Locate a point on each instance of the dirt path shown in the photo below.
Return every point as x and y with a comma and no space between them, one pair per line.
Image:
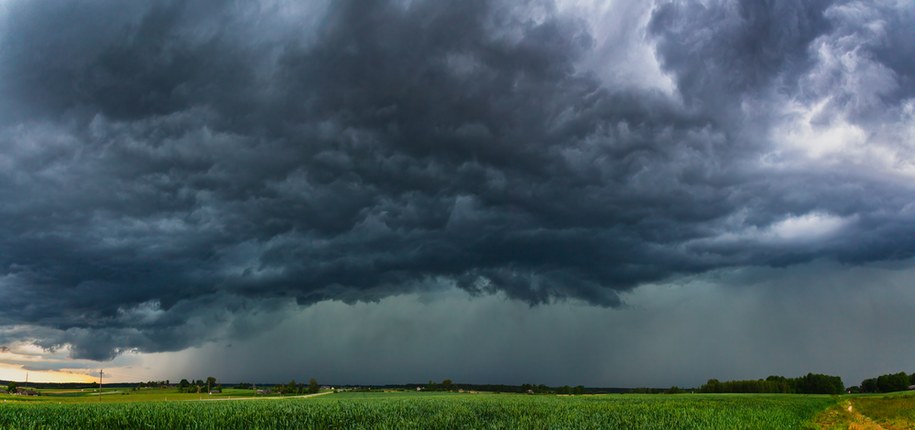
845,416
221,399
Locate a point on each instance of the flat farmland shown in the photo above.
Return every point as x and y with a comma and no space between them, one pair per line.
410,410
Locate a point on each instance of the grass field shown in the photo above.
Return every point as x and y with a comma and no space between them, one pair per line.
890,411
121,395
410,410
871,412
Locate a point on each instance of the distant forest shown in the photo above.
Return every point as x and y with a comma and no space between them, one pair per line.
886,383
812,383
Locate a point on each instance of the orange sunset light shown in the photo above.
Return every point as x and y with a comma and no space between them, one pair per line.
16,373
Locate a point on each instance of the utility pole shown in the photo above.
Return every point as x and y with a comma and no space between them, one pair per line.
101,375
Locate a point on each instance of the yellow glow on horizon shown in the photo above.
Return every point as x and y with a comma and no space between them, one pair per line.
16,373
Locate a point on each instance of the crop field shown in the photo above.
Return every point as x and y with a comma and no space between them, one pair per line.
871,412
122,395
890,411
431,410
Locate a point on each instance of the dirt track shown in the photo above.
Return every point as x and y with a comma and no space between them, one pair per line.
217,399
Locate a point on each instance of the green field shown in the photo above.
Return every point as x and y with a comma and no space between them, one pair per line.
121,395
892,411
871,412
410,410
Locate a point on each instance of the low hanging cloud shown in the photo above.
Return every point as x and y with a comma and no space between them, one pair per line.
167,168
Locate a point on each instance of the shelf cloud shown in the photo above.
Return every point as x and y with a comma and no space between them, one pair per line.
171,170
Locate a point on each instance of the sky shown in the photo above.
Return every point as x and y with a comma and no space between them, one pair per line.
615,193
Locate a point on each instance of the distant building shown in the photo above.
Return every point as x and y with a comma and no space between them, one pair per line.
25,392
263,391
216,390
912,387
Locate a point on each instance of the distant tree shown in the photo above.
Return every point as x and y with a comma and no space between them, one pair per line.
579,390
893,382
11,387
779,384
313,386
290,387
887,383
712,386
446,385
211,382
674,390
883,384
815,383
809,384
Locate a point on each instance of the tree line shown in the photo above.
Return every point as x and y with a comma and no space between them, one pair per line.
449,385
811,383
153,384
210,385
886,383
291,387
199,386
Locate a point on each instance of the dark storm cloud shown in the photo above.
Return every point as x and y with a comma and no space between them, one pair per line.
721,51
168,167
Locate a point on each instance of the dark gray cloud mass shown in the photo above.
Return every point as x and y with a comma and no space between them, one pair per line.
167,166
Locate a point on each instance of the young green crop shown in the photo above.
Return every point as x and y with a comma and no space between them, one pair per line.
420,411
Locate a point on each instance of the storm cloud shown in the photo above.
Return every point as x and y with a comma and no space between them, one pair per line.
168,169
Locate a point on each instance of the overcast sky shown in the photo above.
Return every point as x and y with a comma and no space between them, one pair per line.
623,193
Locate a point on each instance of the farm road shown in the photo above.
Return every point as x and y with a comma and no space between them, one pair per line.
260,398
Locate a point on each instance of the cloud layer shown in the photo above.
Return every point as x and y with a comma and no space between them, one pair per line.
168,170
